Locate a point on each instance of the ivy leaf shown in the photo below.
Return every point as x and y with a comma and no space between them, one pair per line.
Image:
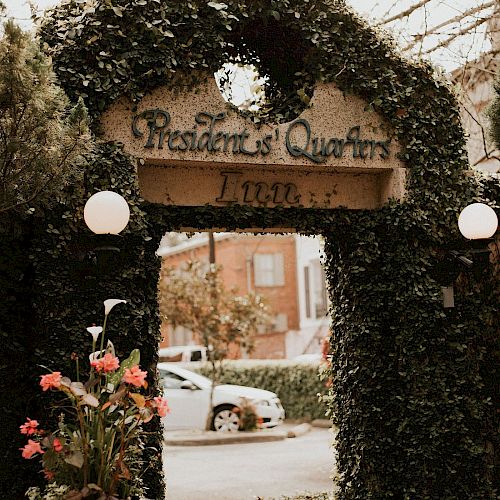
303,96
118,11
217,6
169,34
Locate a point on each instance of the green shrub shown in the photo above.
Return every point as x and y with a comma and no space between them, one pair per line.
296,384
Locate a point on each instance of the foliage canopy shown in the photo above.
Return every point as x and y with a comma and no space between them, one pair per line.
43,137
195,297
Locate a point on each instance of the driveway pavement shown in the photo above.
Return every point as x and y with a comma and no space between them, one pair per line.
250,470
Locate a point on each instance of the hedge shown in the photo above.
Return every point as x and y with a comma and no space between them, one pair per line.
296,384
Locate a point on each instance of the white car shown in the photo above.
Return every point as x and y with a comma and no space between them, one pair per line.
188,396
183,353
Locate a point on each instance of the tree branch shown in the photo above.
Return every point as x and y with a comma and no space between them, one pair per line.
460,17
463,31
405,13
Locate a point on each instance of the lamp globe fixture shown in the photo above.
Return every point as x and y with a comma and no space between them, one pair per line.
477,221
106,212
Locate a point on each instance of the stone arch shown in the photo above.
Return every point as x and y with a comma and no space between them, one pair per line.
393,369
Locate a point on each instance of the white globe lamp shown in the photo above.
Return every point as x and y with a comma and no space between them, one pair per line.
106,212
477,221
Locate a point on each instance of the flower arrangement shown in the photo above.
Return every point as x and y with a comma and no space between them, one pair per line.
95,452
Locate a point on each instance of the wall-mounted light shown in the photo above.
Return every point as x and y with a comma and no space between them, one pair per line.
106,212
477,222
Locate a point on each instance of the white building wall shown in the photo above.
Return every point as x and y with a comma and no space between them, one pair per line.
307,338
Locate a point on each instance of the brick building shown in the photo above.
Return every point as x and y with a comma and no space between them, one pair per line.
285,269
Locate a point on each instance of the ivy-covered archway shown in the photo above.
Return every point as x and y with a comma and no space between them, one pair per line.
411,380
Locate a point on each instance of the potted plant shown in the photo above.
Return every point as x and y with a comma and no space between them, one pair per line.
95,450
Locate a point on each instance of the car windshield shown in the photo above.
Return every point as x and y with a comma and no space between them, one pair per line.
201,381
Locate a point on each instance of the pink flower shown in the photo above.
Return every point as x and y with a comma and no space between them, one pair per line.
57,445
51,381
161,406
31,449
135,376
30,427
108,363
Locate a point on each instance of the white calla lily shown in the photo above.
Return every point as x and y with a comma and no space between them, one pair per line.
94,331
110,303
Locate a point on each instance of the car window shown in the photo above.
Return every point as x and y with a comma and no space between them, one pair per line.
171,380
199,380
195,355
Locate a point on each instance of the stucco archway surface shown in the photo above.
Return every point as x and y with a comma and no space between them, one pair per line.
194,149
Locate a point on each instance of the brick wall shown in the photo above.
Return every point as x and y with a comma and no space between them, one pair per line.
235,253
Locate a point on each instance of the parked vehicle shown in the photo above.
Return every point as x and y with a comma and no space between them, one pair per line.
188,396
183,353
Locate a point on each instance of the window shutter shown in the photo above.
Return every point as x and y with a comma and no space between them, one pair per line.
307,291
261,264
280,323
279,270
269,269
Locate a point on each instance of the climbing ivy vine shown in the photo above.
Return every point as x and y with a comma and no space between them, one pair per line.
412,382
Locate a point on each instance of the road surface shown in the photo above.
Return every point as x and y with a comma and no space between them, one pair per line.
251,470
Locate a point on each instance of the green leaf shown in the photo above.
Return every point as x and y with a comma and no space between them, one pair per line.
132,360
90,400
74,458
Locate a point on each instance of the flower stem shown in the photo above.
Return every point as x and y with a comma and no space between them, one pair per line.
102,334
84,446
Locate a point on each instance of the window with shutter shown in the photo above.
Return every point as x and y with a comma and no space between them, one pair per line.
320,296
269,269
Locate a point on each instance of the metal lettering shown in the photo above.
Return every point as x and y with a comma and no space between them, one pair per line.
292,194
152,116
207,138
228,193
249,192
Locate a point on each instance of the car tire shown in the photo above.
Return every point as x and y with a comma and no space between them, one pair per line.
226,419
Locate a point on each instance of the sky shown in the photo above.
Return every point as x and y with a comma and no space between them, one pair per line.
437,12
